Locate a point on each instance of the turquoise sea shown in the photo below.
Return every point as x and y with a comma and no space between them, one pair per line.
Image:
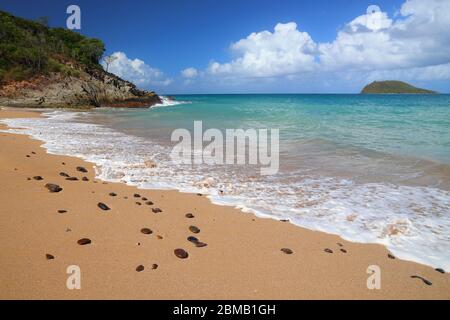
371,168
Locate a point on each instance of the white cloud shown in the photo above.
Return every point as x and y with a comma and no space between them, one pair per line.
189,73
267,54
413,44
136,71
418,37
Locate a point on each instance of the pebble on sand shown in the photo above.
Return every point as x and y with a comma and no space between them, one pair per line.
103,206
53,187
140,268
154,266
390,256
440,270
49,256
138,203
85,179
82,169
146,231
156,210
84,241
427,282
328,250
149,203
194,229
192,239
200,244
144,199
287,251
137,195
180,253
63,174
38,178
343,250
62,211
113,194
189,215
72,179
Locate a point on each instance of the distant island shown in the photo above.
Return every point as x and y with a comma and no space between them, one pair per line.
393,86
56,68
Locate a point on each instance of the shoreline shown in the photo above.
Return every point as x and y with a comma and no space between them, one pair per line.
242,259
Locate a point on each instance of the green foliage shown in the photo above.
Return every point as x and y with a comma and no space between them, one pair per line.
393,86
30,48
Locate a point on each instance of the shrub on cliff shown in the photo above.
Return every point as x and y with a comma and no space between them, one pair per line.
29,48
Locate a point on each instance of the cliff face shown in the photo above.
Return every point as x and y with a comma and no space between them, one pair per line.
90,88
56,67
393,86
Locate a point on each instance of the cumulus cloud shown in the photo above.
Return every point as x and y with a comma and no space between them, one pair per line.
136,71
416,40
418,37
265,54
189,73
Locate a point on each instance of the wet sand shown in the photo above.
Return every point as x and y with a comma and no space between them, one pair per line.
242,258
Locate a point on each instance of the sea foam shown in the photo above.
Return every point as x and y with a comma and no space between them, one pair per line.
412,221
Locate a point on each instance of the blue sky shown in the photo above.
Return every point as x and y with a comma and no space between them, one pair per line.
209,38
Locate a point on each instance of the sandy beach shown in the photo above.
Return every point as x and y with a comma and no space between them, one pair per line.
242,258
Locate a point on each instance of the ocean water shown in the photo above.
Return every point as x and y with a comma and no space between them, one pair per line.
370,168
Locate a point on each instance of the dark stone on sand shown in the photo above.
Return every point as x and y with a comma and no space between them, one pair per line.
33,152
156,210
62,211
343,250
284,220
194,229
63,174
38,178
154,266
159,237
200,244
140,268
113,194
63,163
189,215
149,203
199,194
28,178
138,203
427,282
49,256
53,187
72,179
125,197
180,253
84,241
328,250
146,231
137,195
192,239
287,251
28,155
85,179
440,270
340,244
82,169
390,256
144,199
103,206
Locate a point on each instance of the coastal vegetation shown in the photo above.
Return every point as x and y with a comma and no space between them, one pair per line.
30,48
393,86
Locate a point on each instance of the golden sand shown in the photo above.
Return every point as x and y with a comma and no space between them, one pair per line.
242,260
